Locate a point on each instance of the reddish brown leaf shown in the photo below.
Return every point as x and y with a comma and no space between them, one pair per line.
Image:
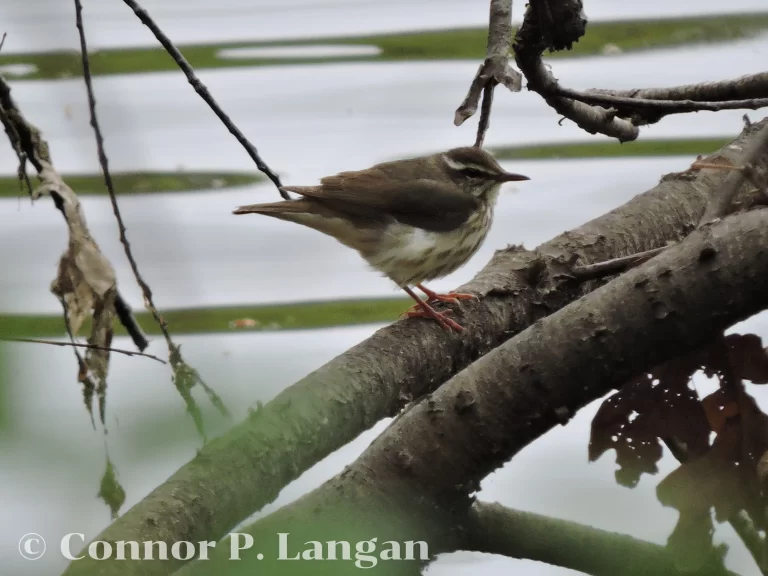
730,477
654,407
747,357
716,479
719,406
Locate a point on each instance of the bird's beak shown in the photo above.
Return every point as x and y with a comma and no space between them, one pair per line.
510,177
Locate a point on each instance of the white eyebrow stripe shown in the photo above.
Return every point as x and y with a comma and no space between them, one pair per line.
452,163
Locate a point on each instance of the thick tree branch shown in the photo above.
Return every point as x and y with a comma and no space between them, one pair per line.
535,381
495,529
246,468
492,409
494,70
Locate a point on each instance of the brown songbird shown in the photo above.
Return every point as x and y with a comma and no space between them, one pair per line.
414,220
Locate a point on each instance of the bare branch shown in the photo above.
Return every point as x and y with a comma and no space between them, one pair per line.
81,345
722,202
495,529
125,315
202,90
645,111
494,70
565,24
185,377
485,113
750,86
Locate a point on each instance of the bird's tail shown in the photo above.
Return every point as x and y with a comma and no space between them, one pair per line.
276,208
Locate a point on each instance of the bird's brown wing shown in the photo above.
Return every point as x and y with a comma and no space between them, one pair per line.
422,203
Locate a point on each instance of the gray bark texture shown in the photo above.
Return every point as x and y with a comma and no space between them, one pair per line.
238,473
402,487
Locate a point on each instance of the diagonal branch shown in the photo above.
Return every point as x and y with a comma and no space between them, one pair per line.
646,111
184,377
248,466
203,92
722,203
496,529
494,70
491,410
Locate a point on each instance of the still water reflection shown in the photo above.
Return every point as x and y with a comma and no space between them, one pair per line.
308,122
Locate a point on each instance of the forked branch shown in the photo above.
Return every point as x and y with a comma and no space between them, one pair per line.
494,70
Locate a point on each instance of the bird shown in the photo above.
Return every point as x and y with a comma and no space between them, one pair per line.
414,220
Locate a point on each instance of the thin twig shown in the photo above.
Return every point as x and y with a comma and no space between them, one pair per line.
125,315
752,173
635,107
741,88
721,204
201,89
2,40
613,266
145,289
184,376
485,113
82,345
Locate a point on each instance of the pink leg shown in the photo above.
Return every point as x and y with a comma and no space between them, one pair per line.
450,298
424,310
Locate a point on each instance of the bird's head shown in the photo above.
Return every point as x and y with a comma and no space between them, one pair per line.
476,171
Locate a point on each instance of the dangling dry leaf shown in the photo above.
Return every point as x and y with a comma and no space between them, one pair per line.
85,284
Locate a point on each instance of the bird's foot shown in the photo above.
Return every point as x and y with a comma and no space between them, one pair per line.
450,298
424,310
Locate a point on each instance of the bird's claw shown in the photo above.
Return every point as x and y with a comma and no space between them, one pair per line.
439,317
451,297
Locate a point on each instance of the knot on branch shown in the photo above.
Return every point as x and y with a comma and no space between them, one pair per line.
551,26
561,23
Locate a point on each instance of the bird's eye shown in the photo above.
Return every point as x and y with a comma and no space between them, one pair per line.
473,173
